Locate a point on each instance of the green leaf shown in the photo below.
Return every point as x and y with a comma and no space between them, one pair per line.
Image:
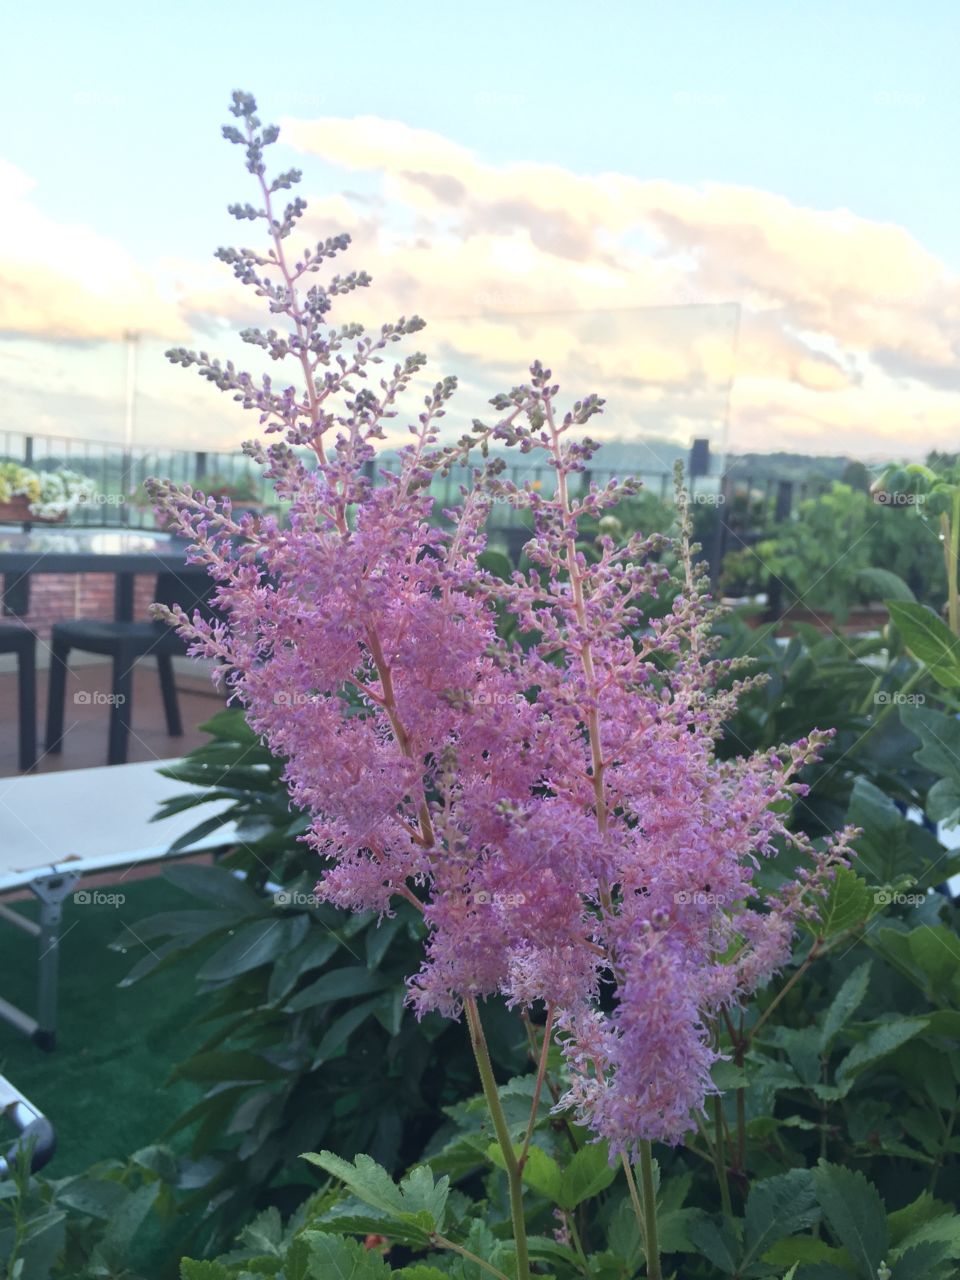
417,1206
855,1213
334,1258
224,1068
190,1270
943,801
342,1028
315,950
882,1040
940,738
368,1180
200,832
885,585
497,563
588,1173
930,955
921,1263
803,1249
216,885
125,1223
929,639
943,1231
848,904
423,1194
338,984
779,1206
904,1222
845,1003
716,1243
890,847
257,943
540,1171
265,1233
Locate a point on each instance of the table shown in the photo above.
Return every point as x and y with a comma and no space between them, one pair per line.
121,552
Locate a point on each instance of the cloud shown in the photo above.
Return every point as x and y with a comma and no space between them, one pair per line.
828,298
690,308
64,282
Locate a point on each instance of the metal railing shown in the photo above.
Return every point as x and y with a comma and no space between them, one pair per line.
741,505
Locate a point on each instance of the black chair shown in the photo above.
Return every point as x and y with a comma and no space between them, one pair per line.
23,643
125,642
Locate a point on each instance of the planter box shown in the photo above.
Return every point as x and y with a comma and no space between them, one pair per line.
17,510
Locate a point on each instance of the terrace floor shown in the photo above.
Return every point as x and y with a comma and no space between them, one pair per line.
85,740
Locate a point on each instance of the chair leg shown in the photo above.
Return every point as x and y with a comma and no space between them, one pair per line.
57,696
121,708
168,689
51,890
28,708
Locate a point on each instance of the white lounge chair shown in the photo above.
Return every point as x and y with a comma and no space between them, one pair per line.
57,827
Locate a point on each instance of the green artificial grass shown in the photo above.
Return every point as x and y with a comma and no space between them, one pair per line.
104,1087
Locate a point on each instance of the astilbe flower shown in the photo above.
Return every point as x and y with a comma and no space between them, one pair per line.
556,808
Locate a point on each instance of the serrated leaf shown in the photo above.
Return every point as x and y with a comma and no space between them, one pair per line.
191,1270
779,1206
366,1179
855,1213
540,1170
848,903
335,1258
806,1249
717,1243
265,1232
845,1003
943,1231
588,1173
422,1193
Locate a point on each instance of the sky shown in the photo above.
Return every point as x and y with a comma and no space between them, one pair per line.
736,219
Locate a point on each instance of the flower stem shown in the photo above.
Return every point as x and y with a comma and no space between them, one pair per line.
538,1088
443,1243
650,1212
514,1172
719,1155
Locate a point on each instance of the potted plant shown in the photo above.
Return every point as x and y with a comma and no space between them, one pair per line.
44,496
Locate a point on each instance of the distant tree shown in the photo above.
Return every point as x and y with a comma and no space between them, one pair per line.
856,475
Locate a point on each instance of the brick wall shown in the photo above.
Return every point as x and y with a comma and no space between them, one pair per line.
55,597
